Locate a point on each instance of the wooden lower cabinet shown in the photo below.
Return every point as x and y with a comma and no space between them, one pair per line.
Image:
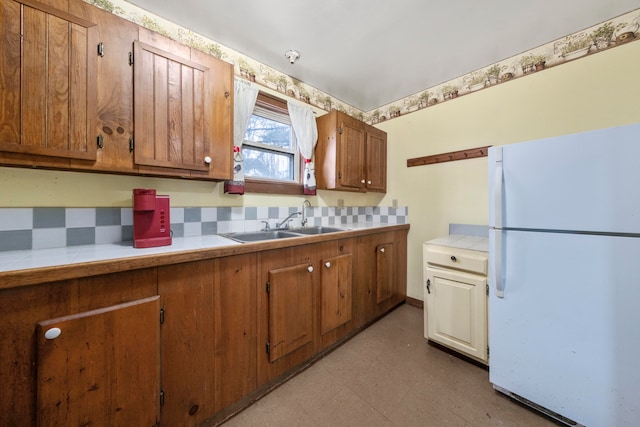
236,329
205,337
23,308
286,300
208,337
186,294
100,367
381,271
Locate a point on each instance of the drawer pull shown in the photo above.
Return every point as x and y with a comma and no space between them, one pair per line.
453,258
327,264
310,269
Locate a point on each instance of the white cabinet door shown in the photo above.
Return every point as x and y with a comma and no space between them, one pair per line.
456,305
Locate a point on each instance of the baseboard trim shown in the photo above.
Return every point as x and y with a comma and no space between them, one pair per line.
415,303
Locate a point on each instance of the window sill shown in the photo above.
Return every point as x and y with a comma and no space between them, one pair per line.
271,187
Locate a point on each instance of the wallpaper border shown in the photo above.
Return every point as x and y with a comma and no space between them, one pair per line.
597,38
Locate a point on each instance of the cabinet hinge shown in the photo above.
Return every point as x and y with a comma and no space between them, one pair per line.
268,347
161,316
100,141
339,175
487,289
268,287
132,143
340,131
130,58
487,352
161,397
100,49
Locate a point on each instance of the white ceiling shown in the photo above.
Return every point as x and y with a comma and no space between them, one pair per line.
370,53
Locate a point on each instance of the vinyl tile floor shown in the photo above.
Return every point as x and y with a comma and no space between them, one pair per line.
388,375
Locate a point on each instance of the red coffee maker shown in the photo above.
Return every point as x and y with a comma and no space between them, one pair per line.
151,222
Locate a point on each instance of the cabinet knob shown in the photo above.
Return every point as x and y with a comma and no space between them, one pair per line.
362,181
52,333
310,269
369,182
453,258
207,160
327,264
382,250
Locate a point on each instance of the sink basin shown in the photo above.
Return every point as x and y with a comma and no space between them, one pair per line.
315,230
260,235
257,236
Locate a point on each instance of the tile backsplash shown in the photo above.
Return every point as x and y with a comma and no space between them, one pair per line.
41,228
469,230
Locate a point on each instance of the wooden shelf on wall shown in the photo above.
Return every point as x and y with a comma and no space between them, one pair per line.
451,156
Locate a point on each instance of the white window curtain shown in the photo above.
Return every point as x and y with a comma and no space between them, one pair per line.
245,95
304,126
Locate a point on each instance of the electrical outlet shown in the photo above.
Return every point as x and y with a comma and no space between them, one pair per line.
341,203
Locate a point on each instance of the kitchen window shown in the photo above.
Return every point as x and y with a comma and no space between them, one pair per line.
270,153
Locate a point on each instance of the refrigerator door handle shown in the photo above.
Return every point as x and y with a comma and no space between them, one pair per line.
497,223
497,189
497,263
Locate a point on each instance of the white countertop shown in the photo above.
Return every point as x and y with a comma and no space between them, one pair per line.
460,241
40,258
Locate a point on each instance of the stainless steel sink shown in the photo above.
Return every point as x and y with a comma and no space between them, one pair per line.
260,235
316,230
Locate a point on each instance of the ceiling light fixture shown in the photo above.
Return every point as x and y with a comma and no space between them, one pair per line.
293,55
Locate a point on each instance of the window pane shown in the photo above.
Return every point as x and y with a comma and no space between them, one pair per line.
267,164
268,131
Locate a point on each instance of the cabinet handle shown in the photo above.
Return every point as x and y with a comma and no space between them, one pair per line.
52,333
453,258
310,269
382,250
327,264
207,160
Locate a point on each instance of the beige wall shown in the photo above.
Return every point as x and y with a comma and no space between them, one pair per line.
593,92
597,91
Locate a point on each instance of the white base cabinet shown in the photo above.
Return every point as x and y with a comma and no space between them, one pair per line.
455,299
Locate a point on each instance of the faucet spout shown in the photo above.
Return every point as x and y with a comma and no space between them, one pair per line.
284,225
306,203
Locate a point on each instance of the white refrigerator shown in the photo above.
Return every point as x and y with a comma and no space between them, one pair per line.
564,308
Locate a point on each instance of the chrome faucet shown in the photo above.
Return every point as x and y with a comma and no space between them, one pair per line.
285,222
304,217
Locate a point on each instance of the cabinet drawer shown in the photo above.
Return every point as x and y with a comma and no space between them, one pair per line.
459,259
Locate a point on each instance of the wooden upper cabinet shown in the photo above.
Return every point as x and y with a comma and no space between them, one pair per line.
172,110
47,81
350,155
376,159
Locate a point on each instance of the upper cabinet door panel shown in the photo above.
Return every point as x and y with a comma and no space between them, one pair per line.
351,158
48,78
376,160
170,110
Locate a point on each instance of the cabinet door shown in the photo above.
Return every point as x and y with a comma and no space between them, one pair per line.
47,69
188,375
290,309
457,311
376,160
102,369
335,285
351,151
384,272
236,329
172,110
